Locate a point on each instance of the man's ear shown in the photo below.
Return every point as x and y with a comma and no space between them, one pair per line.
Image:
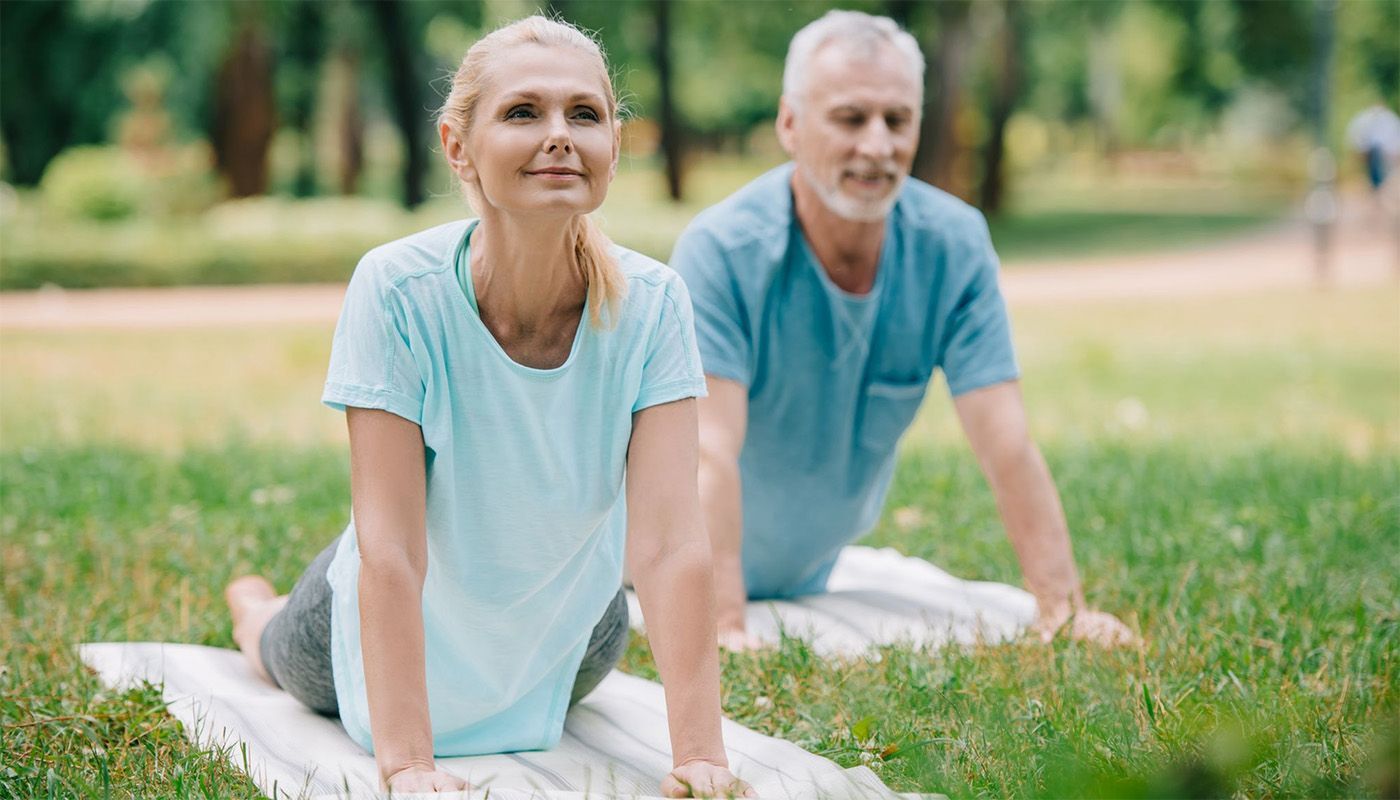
786,126
455,153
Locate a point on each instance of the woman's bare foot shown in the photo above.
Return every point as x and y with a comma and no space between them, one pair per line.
252,602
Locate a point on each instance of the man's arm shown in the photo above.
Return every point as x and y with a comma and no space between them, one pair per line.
994,420
724,418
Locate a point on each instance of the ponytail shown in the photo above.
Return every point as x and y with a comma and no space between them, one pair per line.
601,273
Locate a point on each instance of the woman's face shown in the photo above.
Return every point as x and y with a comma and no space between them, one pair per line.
543,139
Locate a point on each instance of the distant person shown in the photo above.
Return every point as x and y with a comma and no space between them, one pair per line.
504,380
827,292
1374,134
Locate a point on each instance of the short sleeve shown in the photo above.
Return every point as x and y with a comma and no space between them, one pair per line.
977,349
671,369
720,327
372,362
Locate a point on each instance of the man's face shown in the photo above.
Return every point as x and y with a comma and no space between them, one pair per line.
855,129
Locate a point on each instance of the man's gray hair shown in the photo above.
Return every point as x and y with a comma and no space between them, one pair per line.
854,30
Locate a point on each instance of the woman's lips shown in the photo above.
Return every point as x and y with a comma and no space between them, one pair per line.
555,174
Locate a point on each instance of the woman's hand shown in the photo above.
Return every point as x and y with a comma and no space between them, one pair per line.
423,779
703,779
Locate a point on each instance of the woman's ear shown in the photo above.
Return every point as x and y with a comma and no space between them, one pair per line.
455,152
617,149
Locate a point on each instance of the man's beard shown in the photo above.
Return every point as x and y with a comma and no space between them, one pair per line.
850,208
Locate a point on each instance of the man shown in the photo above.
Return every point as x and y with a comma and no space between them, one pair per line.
826,292
1374,133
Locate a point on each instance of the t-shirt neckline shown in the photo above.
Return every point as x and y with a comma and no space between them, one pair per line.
462,269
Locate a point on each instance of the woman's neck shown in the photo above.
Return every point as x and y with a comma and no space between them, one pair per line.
523,272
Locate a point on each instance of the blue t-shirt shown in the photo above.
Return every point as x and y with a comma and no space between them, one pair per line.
834,379
526,516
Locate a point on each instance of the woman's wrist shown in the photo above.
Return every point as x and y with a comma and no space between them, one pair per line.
390,767
720,760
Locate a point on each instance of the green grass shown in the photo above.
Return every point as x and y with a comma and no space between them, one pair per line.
1244,517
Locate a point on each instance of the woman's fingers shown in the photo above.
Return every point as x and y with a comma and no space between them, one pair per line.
703,779
419,779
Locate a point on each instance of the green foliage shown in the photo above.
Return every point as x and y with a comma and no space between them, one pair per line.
279,240
259,240
98,183
107,184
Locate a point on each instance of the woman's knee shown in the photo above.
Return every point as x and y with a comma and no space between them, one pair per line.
605,648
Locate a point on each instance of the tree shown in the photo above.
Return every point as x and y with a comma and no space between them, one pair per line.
668,122
299,71
936,159
1005,94
245,113
57,82
404,85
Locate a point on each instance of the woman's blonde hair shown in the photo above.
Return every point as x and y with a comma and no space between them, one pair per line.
592,253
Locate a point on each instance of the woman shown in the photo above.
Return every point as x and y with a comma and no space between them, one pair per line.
503,380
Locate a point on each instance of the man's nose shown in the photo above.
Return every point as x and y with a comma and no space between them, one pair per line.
557,137
876,140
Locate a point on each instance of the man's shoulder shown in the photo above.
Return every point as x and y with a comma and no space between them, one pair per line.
752,214
928,210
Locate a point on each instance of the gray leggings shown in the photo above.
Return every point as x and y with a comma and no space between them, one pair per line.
296,644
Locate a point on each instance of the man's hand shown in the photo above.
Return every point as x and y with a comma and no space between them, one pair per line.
1086,625
730,607
723,421
739,640
704,779
423,779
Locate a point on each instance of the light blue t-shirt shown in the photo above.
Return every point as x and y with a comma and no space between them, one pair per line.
834,379
526,516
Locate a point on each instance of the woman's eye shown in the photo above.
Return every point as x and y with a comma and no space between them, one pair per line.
588,114
520,112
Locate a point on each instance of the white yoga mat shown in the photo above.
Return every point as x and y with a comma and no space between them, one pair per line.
615,741
878,597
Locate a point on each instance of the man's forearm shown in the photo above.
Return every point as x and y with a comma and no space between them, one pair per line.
721,508
1030,509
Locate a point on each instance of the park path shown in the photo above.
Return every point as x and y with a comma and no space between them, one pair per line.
1278,257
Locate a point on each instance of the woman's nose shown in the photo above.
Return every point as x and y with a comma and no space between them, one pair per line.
558,137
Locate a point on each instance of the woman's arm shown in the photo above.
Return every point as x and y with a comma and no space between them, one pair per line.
669,561
388,490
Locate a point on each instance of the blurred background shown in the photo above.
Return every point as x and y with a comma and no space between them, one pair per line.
156,143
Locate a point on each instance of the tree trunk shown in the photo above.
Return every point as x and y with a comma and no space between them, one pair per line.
349,123
1005,94
245,113
936,161
302,63
404,91
671,145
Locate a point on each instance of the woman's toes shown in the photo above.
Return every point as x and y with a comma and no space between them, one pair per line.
246,591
